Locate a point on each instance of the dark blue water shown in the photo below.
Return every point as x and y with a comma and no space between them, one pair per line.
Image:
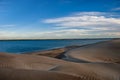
21,46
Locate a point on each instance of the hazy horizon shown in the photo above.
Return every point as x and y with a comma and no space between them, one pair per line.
57,39
59,19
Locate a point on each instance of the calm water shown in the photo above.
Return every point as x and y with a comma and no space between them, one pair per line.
22,46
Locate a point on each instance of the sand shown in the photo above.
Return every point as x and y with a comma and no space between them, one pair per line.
42,67
107,52
55,53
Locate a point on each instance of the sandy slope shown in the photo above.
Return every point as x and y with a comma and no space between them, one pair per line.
80,71
15,74
108,51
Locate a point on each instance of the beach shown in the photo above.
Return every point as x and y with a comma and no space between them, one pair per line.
98,61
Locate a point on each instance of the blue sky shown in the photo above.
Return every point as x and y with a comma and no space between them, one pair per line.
57,19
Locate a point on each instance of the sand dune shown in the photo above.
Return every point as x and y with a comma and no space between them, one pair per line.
85,71
108,51
15,74
34,67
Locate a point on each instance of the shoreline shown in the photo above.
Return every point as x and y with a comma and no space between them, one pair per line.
21,47
54,39
66,57
63,54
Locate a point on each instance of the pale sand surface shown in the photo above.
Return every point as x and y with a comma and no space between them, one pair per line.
85,71
34,67
108,51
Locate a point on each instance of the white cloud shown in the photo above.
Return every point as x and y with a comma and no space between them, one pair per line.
90,13
116,9
83,21
6,34
58,34
99,23
8,25
77,25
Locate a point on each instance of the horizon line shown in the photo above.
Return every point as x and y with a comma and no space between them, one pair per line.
56,39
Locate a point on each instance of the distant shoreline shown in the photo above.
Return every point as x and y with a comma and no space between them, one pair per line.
54,39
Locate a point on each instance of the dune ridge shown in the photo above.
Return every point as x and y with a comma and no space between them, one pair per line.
107,52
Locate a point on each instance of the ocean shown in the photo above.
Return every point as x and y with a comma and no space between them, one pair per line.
22,46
